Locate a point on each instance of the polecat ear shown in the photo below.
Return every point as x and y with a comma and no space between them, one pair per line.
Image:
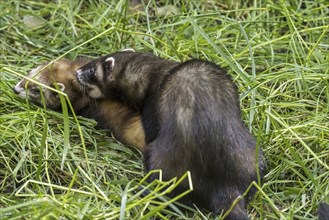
128,49
110,62
60,86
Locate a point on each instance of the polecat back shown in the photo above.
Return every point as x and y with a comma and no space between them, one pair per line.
192,122
121,120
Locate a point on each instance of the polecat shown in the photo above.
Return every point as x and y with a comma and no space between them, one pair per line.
124,122
192,122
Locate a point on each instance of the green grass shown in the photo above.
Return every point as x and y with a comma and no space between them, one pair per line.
54,165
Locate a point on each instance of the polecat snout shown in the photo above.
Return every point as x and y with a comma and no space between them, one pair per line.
192,122
123,121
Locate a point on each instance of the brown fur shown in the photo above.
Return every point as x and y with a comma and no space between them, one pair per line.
124,122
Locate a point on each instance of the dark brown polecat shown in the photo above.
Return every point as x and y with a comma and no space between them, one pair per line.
192,122
123,121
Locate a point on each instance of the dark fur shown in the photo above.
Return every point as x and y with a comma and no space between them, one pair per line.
323,211
191,117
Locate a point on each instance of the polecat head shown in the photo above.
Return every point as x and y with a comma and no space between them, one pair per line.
97,75
60,76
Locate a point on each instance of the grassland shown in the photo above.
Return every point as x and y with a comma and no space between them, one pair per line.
57,166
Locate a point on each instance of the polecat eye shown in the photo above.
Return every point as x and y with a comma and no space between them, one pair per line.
34,90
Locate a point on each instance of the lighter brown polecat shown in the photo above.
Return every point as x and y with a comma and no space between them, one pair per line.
192,122
121,120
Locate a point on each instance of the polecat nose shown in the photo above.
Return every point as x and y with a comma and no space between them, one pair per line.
15,91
